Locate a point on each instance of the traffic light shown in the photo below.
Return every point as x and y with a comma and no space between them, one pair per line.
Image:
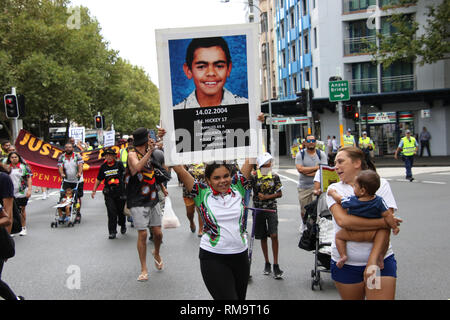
301,100
349,112
356,117
98,122
11,106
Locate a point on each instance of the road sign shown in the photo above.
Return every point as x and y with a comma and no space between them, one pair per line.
339,91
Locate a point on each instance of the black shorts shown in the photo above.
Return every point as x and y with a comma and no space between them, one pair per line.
73,185
21,202
266,223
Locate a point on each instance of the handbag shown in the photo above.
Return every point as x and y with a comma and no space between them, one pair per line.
7,245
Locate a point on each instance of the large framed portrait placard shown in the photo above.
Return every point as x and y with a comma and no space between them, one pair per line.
209,93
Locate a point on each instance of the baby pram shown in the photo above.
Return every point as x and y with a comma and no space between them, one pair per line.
317,237
75,216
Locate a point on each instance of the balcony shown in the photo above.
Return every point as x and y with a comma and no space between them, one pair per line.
363,86
388,84
399,83
358,45
351,6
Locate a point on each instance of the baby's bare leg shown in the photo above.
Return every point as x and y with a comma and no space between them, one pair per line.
343,235
60,212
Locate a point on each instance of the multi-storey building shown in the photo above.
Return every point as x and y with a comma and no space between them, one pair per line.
321,39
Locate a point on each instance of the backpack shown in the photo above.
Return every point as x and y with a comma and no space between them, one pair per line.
308,239
317,152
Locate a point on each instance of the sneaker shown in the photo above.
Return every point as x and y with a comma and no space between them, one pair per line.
123,229
23,232
20,298
267,269
44,196
112,236
277,273
411,179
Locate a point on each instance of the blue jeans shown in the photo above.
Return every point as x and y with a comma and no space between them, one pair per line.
409,160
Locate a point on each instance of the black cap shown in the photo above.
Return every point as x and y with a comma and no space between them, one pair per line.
110,151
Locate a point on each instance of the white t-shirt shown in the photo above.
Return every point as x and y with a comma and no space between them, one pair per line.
358,252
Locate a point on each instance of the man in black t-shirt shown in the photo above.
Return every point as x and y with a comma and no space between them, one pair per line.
112,172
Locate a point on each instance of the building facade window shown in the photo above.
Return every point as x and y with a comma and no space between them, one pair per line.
305,43
315,38
293,52
317,77
360,37
364,78
357,5
399,76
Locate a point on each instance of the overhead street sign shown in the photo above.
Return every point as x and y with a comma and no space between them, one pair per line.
338,91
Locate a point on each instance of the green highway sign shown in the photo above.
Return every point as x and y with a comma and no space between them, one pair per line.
339,91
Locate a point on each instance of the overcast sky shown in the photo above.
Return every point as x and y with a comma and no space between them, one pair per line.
129,25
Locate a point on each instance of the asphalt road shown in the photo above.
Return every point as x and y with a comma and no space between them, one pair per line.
82,263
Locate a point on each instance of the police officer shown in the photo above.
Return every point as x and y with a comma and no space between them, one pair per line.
349,139
112,172
408,147
366,144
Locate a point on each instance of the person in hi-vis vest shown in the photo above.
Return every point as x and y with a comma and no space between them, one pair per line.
349,139
409,147
366,145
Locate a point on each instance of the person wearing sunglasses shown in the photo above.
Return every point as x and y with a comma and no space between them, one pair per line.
307,163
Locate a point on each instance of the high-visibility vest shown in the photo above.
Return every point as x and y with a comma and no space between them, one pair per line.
365,143
348,140
409,146
124,157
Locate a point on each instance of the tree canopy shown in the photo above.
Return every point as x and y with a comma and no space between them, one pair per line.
55,56
411,41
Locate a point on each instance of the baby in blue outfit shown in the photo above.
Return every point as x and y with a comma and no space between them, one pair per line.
366,204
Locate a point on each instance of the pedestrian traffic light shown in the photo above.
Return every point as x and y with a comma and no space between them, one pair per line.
98,122
11,106
349,112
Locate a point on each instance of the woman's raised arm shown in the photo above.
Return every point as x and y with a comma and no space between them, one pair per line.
185,177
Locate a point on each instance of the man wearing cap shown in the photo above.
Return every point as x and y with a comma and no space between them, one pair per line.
112,172
307,163
408,147
142,198
349,139
366,144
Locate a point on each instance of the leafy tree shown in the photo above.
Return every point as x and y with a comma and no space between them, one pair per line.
424,44
69,74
